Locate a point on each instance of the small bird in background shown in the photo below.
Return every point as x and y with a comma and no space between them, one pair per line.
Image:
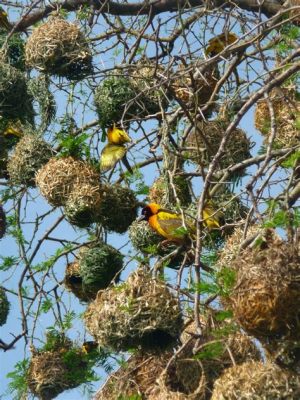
171,226
115,150
218,43
4,23
13,130
89,346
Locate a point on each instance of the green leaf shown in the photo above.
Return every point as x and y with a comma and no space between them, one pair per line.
210,351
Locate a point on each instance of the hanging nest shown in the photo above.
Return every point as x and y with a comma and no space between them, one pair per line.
82,205
73,281
203,143
286,104
118,208
266,297
2,222
140,312
58,47
4,306
13,50
162,193
114,100
193,88
256,381
143,237
99,266
57,178
15,101
53,371
136,378
30,154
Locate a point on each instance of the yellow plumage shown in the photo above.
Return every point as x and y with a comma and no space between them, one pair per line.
117,136
218,43
4,23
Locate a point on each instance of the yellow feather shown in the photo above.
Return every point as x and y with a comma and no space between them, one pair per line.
117,136
218,43
110,155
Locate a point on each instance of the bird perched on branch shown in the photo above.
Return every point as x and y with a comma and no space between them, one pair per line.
171,225
218,43
115,150
4,23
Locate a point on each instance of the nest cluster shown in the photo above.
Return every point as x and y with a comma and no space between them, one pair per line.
4,306
31,153
13,50
266,297
2,222
58,47
115,197
140,312
255,381
286,110
58,177
15,101
204,140
162,192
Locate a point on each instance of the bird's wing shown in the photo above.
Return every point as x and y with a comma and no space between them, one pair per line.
170,225
110,155
210,217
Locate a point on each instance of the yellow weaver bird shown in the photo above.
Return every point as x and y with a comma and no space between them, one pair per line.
169,224
218,43
115,150
13,130
4,23
89,346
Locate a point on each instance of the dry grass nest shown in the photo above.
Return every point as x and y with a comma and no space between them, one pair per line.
256,381
118,208
204,140
4,306
31,153
266,297
162,192
73,281
15,102
140,312
286,104
143,237
58,47
135,378
83,203
58,177
2,222
13,49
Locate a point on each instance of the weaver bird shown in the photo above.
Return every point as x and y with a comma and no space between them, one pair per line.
89,346
115,150
218,43
4,23
171,226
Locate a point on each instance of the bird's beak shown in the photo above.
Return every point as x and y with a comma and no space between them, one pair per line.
141,218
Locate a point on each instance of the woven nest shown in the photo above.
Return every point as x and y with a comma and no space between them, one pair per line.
193,88
114,100
4,306
140,312
30,154
162,193
266,297
143,237
15,102
57,178
118,208
135,378
73,281
82,206
58,47
203,143
256,381
287,112
14,49
99,266
2,222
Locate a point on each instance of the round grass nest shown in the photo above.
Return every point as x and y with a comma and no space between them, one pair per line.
4,306
2,222
285,352
266,297
99,266
73,281
82,206
193,88
13,50
15,101
204,140
58,47
114,100
53,371
58,177
135,378
118,208
139,312
31,153
256,381
143,237
286,106
162,193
